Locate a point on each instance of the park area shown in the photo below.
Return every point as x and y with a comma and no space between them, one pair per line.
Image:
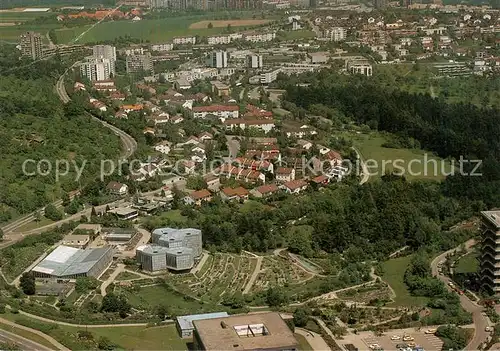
232,23
468,263
393,273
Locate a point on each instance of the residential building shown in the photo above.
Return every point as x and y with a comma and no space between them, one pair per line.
490,252
104,51
294,186
185,323
97,69
104,85
359,67
265,125
262,331
260,37
184,40
270,76
198,197
182,84
336,34
254,61
257,165
221,111
162,47
31,45
239,173
285,174
117,188
220,88
138,63
238,193
218,40
163,147
71,263
217,59
213,182
264,190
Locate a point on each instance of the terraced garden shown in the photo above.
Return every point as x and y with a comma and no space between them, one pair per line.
226,275
366,294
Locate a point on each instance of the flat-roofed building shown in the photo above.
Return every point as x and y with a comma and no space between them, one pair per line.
185,323
263,331
490,251
76,240
125,213
180,259
152,257
70,263
177,238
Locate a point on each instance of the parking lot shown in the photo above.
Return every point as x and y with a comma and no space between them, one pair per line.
363,340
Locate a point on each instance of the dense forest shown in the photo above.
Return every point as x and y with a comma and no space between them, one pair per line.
450,130
35,125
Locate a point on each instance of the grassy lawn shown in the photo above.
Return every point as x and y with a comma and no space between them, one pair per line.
303,343
394,271
127,276
468,264
154,30
152,296
297,34
34,225
26,334
417,164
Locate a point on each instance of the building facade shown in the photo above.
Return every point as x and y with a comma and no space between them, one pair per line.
31,45
490,251
97,69
137,63
254,61
217,59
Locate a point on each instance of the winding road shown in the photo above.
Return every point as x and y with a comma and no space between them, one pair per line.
480,321
129,147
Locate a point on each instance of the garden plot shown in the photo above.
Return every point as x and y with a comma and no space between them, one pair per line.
279,271
366,294
227,275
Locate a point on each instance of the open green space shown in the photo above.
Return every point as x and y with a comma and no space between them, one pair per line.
172,218
468,263
34,225
413,163
297,34
26,334
394,271
14,262
127,338
127,276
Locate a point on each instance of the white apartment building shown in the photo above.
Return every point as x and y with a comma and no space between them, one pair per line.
104,51
217,40
360,67
137,63
162,47
260,37
254,61
269,77
217,59
97,69
184,40
223,112
336,34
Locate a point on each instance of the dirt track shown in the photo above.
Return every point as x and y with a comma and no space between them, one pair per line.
233,23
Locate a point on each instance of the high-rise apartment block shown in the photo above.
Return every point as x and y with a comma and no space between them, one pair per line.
254,61
104,51
217,59
31,45
336,34
97,69
137,63
490,251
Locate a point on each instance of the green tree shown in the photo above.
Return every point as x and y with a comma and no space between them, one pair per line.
210,25
275,297
162,312
27,283
301,316
105,344
52,213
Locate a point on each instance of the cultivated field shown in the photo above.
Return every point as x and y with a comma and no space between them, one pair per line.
232,23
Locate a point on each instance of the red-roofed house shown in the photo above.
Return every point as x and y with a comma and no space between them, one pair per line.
285,174
321,180
238,193
295,186
198,197
265,190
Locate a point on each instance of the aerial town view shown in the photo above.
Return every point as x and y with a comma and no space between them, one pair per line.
250,175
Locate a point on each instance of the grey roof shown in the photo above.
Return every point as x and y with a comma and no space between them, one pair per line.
179,251
173,234
153,249
65,261
186,322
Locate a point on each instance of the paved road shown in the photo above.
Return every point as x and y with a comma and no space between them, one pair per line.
365,173
480,321
21,342
314,339
233,145
120,268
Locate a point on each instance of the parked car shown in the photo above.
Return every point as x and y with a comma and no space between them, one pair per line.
488,329
408,338
395,337
431,331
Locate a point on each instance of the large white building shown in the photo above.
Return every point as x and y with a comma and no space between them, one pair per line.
254,61
184,40
162,47
96,69
359,67
104,51
269,77
137,63
217,59
260,37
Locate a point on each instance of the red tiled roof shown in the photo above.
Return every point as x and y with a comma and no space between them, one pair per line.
284,170
200,194
266,189
320,179
295,184
215,108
